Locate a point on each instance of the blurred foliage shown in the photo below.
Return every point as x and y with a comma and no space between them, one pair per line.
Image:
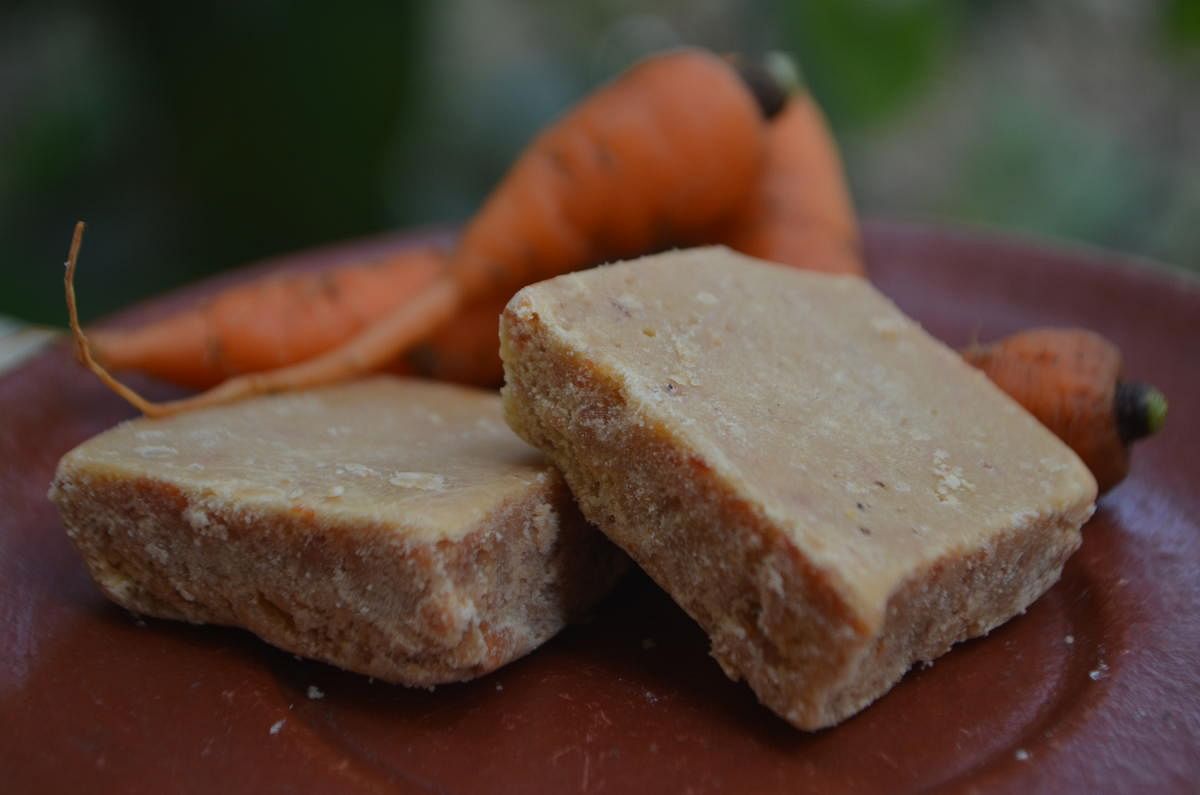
1050,177
192,137
1182,24
197,137
869,58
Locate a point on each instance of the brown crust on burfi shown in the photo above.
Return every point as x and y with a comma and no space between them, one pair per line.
774,618
354,593
770,617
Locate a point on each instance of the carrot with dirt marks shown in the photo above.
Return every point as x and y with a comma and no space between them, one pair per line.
270,322
281,319
655,158
1070,379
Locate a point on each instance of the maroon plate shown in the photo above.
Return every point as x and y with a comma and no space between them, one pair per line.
1095,689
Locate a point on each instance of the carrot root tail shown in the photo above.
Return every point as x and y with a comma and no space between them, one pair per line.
368,352
83,351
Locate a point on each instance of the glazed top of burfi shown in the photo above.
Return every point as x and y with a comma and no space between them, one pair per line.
430,460
871,444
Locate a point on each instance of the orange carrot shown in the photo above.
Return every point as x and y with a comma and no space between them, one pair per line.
1070,380
650,161
270,322
655,158
466,350
800,214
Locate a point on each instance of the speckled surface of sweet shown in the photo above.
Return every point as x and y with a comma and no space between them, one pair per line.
830,492
396,528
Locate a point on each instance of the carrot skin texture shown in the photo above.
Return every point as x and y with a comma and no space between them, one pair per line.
464,351
1067,378
800,213
270,322
655,158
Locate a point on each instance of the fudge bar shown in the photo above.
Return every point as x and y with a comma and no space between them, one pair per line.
395,528
830,492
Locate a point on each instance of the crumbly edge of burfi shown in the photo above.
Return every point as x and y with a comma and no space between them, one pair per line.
774,619
357,596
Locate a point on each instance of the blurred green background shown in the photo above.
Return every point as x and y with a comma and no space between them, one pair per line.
197,137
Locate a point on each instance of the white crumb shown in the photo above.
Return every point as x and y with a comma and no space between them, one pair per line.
277,726
425,481
155,451
315,693
950,479
887,327
1022,755
630,302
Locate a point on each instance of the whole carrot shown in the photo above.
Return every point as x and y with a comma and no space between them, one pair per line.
800,213
655,158
269,322
1070,379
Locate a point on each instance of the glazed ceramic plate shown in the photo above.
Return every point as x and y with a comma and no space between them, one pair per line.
1095,689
